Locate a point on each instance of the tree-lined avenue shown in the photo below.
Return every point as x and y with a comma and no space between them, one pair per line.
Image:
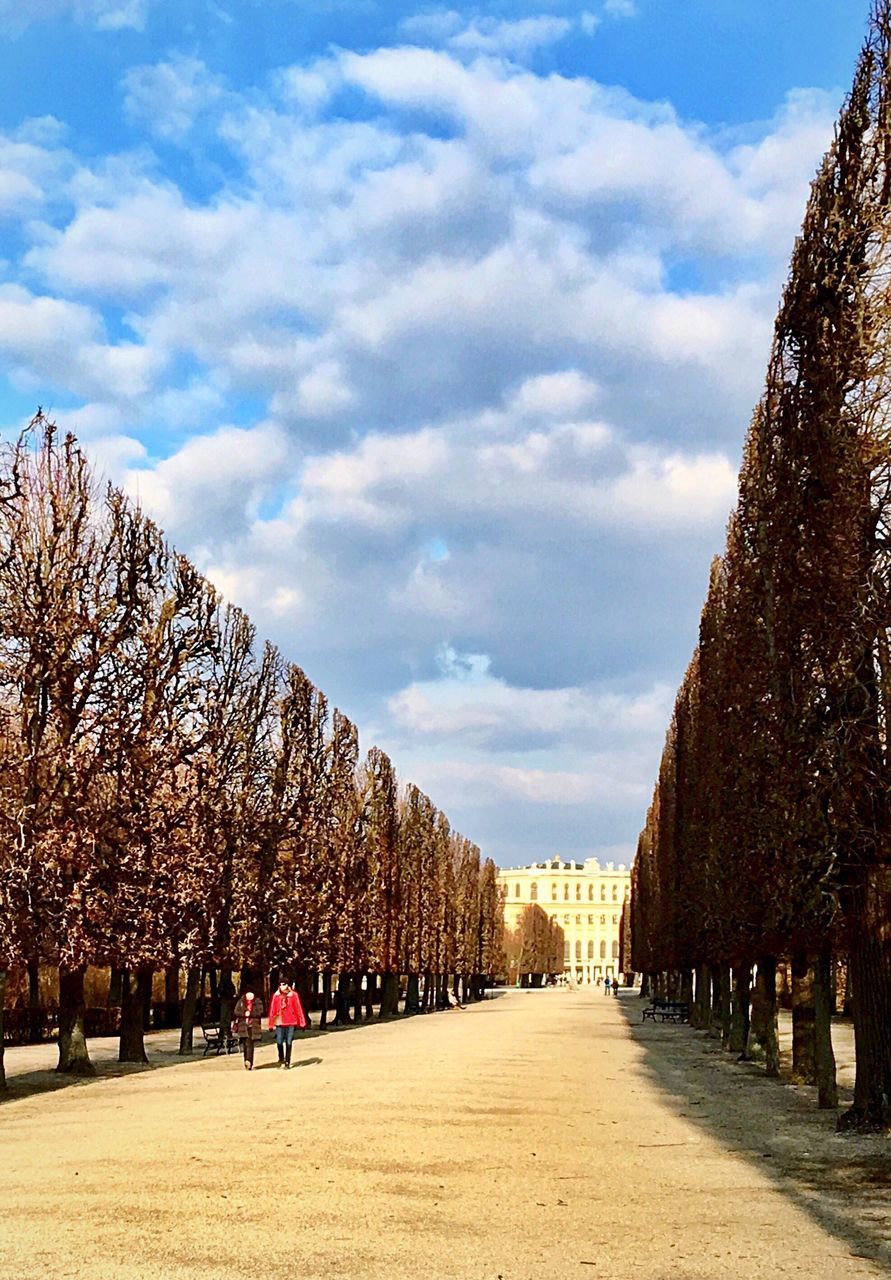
534,1135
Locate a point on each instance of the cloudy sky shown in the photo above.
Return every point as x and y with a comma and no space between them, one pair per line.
431,334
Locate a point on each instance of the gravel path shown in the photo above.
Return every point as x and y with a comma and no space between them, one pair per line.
538,1135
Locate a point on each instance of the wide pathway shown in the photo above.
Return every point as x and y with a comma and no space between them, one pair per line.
535,1136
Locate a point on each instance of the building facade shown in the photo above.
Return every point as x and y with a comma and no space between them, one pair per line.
586,901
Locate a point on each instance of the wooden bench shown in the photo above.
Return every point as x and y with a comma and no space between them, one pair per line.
662,1010
216,1040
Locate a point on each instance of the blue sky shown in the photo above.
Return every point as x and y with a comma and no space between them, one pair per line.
431,333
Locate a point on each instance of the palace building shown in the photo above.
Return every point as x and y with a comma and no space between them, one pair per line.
584,898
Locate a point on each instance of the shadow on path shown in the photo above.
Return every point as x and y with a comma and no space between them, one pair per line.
843,1182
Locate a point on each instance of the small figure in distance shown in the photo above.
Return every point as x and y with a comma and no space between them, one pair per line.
285,1015
616,986
607,983
247,1024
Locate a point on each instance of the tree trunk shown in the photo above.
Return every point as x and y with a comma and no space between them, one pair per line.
326,998
869,970
214,993
342,1001
725,1006
190,1002
413,994
645,986
35,1013
389,996
227,1000
171,995
716,1022
740,1017
74,1057
686,986
3,979
131,1047
764,1014
824,1057
114,988
145,991
370,991
703,1007
804,1070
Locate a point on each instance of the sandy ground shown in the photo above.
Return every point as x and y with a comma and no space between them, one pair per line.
538,1135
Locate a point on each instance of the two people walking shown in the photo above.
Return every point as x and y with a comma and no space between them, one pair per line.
285,1016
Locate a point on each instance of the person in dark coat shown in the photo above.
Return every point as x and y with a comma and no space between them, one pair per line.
247,1024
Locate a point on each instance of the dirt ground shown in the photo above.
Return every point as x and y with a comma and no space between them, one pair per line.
539,1135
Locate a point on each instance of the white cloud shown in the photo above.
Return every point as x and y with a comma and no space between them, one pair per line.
512,39
498,468
436,25
564,394
169,96
669,491
620,8
322,392
104,15
214,483
494,785
51,342
469,702
34,166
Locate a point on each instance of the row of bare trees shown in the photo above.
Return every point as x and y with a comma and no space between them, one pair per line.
534,948
173,794
768,835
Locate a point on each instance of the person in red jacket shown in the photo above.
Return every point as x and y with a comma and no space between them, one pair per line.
285,1015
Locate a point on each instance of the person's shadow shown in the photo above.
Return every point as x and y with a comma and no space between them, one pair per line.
273,1066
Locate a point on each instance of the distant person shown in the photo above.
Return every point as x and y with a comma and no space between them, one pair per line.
285,1015
616,987
607,983
247,1024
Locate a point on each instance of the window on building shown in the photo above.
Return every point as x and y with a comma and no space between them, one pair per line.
615,893
566,953
591,950
590,919
566,893
554,915
578,892
603,919
615,950
553,892
615,919
578,951
590,893
578,919
533,892
603,951
603,893
518,891
566,919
